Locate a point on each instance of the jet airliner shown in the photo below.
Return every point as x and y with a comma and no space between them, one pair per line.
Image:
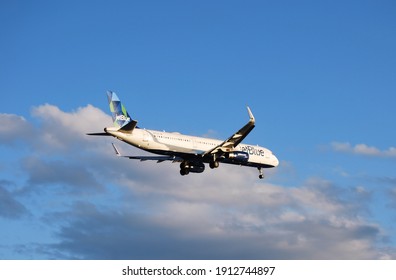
191,152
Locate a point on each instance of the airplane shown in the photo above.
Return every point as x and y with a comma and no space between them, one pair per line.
191,151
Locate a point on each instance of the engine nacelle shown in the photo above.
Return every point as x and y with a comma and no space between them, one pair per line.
196,167
238,156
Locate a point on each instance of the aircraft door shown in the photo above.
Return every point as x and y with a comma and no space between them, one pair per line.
195,146
146,139
146,136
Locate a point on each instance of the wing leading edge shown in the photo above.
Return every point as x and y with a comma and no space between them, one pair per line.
236,138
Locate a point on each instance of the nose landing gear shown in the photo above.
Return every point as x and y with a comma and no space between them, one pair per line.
261,175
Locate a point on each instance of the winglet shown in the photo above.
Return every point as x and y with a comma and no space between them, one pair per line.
252,119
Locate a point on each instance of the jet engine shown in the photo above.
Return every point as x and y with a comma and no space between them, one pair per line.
196,167
238,156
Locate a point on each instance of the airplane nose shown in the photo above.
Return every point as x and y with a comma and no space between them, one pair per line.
275,161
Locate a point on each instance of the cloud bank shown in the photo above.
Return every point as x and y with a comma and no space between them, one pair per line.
98,206
363,149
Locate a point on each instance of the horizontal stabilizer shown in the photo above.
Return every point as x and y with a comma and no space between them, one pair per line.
98,134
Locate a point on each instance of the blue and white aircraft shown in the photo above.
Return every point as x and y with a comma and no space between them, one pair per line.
191,151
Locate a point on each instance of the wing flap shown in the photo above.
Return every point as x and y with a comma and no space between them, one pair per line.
145,158
158,159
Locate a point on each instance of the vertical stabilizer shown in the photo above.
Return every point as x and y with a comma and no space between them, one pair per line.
121,118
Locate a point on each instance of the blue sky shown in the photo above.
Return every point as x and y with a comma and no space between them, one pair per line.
318,75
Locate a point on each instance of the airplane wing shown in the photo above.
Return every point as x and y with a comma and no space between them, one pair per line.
235,139
144,158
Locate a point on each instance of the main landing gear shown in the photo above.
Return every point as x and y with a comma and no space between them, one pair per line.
213,164
261,175
184,168
191,166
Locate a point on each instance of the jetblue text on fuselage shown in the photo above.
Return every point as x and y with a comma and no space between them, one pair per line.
253,151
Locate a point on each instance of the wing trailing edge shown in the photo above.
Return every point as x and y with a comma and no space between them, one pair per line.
144,158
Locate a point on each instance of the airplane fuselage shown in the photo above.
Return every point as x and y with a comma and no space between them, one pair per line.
174,143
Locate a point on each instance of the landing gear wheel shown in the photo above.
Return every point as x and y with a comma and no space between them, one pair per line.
184,168
184,172
214,164
261,175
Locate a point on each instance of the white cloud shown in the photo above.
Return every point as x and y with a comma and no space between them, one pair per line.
61,130
70,176
13,128
80,121
201,230
213,220
363,149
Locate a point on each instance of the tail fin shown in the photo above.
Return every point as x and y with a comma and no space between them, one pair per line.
121,117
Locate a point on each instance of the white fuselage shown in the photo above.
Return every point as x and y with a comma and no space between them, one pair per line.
173,143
